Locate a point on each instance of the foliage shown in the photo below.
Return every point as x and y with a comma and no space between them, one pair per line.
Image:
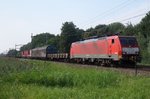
144,36
89,32
2,54
55,41
115,28
104,30
144,26
129,30
38,41
101,29
12,53
69,34
41,39
26,47
20,78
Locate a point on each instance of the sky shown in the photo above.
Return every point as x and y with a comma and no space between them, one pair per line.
20,18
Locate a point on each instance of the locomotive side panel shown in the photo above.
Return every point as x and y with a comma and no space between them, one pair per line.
102,48
95,48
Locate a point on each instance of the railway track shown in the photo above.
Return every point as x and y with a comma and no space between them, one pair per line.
144,68
131,70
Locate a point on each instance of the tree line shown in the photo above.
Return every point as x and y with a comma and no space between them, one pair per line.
71,33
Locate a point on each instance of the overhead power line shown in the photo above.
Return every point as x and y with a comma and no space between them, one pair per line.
107,12
132,17
123,18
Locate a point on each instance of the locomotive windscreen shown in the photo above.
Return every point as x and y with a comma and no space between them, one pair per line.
128,41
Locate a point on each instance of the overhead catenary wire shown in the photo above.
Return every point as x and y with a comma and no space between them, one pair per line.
107,12
127,17
132,17
145,9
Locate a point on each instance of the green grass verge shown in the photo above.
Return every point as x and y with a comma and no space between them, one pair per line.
32,79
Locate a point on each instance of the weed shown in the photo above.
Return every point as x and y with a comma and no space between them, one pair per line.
30,79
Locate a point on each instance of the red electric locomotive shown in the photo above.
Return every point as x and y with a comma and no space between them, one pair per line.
106,50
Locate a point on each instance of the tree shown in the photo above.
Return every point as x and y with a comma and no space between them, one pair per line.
41,39
12,53
143,31
80,33
38,41
89,32
26,47
101,29
129,30
115,28
2,54
69,34
55,41
144,26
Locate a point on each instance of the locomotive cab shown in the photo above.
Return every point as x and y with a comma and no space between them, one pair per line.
130,49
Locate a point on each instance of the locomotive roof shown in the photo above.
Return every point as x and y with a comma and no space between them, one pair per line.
100,38
126,36
93,39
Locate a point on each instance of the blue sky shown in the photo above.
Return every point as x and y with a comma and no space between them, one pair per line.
20,18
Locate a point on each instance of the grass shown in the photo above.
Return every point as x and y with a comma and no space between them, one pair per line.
33,79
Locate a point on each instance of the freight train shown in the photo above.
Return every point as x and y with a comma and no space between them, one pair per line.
102,50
